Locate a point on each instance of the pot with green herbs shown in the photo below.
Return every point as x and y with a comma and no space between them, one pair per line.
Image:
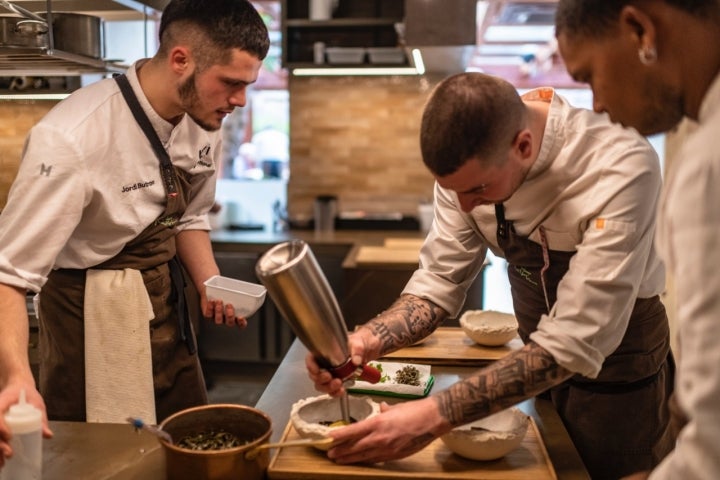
210,442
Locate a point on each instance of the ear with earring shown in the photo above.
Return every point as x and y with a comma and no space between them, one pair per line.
647,55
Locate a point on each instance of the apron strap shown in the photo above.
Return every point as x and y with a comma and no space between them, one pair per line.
166,166
501,223
546,264
184,324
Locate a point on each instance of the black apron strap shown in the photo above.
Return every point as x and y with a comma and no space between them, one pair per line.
167,171
166,166
501,223
185,326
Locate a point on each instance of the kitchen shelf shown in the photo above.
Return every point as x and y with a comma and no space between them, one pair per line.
342,22
26,61
354,24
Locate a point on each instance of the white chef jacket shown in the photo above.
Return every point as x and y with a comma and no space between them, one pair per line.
688,234
595,188
89,182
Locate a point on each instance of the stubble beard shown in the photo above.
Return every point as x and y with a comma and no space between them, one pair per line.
190,101
663,110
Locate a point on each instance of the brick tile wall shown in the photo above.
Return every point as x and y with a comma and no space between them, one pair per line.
16,119
357,138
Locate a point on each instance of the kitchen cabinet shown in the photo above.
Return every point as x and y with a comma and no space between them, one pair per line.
354,24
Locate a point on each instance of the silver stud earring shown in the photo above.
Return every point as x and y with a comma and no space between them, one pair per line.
647,55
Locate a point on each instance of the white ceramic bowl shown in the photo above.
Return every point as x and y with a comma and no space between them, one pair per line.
489,438
307,414
246,297
488,327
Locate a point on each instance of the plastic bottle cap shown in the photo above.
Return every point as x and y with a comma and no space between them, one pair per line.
23,417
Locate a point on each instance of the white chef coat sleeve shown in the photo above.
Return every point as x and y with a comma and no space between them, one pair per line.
689,230
450,258
596,296
45,204
202,195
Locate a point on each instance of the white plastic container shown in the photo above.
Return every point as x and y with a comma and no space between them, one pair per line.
246,297
25,423
386,55
321,9
345,55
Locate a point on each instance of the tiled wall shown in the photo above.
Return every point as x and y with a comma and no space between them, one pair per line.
357,138
16,119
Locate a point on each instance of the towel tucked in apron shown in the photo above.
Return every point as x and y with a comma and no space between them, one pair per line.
118,361
620,421
176,375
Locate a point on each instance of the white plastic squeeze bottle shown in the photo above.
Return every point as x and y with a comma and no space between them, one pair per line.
25,423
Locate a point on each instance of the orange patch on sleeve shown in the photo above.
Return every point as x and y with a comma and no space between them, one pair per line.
599,223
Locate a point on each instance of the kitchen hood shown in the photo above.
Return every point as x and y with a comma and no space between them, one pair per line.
442,39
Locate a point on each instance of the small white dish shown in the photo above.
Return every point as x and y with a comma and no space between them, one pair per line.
488,327
311,417
489,438
246,297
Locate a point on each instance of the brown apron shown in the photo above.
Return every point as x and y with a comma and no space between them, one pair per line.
177,376
619,422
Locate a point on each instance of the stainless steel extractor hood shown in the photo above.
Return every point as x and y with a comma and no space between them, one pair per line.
443,33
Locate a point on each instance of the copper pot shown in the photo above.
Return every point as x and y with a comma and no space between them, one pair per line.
248,424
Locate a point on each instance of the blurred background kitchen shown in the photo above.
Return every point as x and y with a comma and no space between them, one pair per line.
335,112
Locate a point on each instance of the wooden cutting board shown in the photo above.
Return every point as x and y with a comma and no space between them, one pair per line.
527,462
450,346
376,255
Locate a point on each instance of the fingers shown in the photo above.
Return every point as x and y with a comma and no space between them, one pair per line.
224,314
357,350
323,380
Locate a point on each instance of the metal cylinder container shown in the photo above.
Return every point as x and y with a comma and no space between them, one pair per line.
301,292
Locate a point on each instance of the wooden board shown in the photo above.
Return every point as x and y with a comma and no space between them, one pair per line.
527,462
409,243
374,255
450,346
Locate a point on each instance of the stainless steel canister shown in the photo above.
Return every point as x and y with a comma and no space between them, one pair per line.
301,292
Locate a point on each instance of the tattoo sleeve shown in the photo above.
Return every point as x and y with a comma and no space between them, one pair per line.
512,379
408,320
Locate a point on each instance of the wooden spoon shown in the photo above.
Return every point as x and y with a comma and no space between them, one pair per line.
308,442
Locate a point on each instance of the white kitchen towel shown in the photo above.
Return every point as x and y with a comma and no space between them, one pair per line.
118,362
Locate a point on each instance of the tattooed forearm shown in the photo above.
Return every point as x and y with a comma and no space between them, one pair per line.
408,320
512,379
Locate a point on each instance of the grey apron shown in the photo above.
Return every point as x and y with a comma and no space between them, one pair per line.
619,422
178,379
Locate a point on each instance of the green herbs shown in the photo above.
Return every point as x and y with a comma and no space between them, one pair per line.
211,440
409,375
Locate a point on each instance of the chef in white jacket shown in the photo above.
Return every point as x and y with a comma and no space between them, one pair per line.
109,205
650,64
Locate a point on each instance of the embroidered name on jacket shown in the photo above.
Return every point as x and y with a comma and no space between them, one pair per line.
137,186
